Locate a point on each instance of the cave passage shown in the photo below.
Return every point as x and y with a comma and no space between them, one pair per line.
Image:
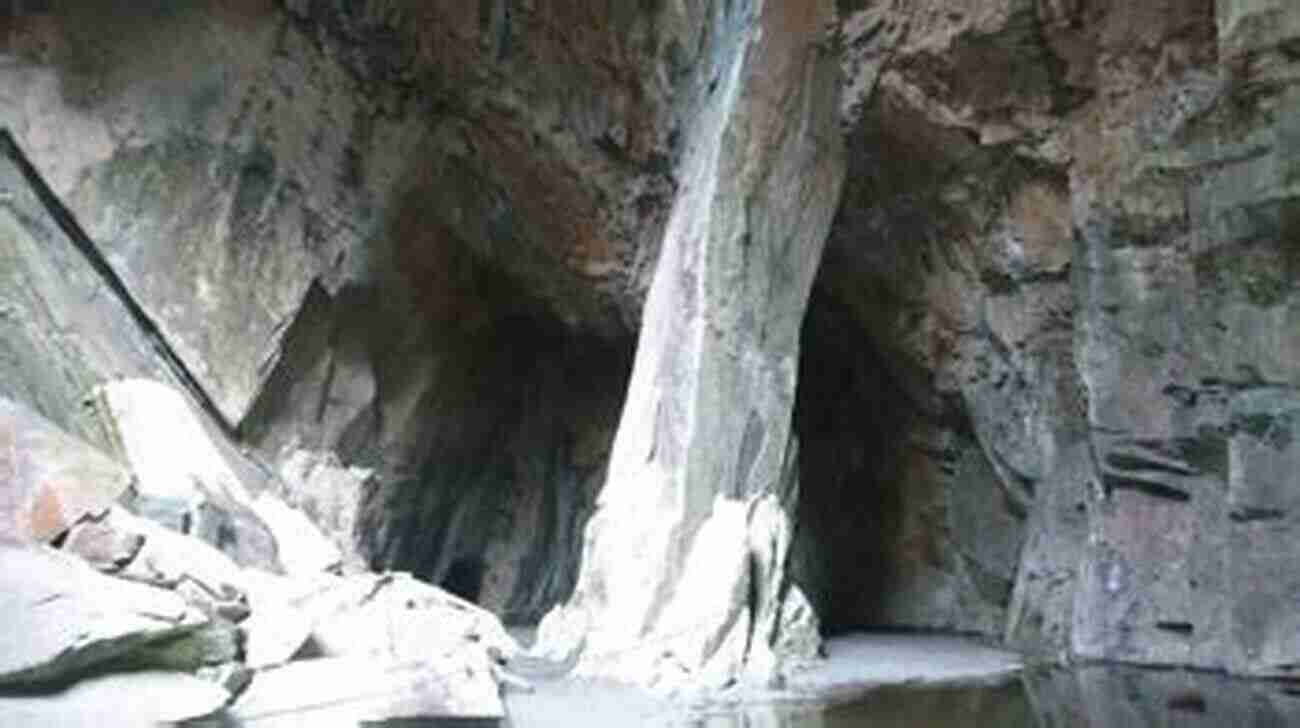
851,420
902,523
514,434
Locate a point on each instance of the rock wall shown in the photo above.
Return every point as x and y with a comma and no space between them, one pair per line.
276,201
1046,388
1071,225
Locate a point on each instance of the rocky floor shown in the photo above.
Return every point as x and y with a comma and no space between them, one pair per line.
855,665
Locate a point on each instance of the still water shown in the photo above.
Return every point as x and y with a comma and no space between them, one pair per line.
1090,697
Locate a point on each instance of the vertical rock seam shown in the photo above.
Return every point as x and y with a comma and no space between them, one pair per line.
84,245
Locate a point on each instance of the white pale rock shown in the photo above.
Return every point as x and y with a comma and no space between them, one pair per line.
177,460
301,546
390,616
330,492
166,443
399,617
168,559
59,615
122,699
280,625
390,647
346,691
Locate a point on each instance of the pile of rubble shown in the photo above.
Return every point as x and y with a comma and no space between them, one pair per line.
152,585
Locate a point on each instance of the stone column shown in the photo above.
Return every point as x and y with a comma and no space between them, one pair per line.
682,577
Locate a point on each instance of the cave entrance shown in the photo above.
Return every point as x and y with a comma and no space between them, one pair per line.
902,524
500,391
485,408
514,435
850,419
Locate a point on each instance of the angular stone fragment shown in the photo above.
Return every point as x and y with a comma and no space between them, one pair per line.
279,626
397,616
60,616
202,575
184,480
104,547
50,480
331,494
350,690
300,545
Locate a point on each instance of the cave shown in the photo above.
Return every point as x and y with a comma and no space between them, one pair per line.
896,499
851,422
486,417
513,445
695,335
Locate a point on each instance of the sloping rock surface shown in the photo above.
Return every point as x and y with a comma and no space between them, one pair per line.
134,698
50,480
62,617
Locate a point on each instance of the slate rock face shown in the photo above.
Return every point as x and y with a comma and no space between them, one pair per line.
1190,330
284,184
704,443
1068,232
62,328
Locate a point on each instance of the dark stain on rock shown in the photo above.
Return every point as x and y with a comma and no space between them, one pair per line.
1247,514
1151,488
1183,629
256,180
750,446
1188,702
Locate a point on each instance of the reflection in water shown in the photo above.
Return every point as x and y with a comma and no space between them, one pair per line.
1119,697
894,707
1089,697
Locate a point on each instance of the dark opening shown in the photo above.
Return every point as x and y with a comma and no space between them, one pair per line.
464,577
902,521
850,420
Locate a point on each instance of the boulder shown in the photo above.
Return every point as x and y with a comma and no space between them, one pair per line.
390,616
60,616
398,616
346,691
125,699
279,626
330,493
202,575
104,547
184,477
301,546
50,480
